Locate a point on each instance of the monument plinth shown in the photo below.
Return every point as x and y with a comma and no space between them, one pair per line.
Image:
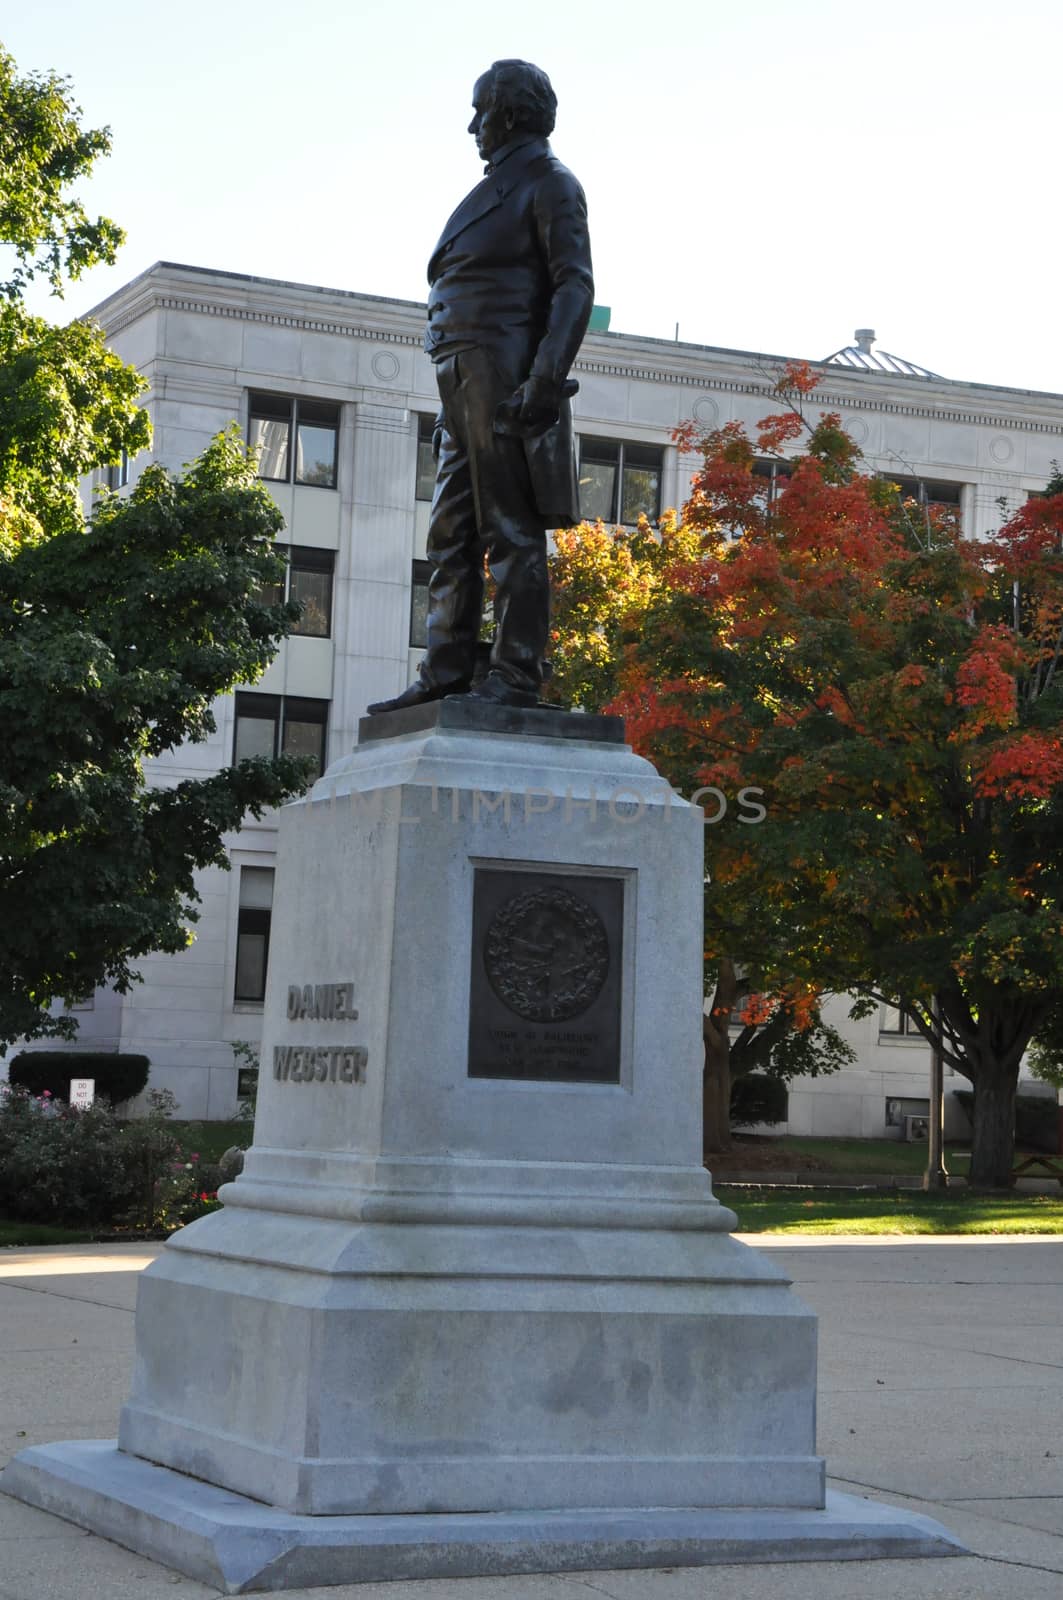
472,1305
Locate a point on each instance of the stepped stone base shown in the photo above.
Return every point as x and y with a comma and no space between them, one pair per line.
240,1545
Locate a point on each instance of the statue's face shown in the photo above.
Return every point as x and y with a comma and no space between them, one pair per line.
492,123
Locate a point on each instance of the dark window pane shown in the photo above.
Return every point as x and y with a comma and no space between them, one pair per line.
275,406
313,590
926,491
118,475
419,605
643,455
606,451
309,558
325,413
426,466
315,455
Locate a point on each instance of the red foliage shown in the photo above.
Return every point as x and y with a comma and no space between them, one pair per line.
773,432
797,375
1028,767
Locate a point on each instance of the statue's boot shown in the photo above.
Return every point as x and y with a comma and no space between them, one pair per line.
418,694
498,692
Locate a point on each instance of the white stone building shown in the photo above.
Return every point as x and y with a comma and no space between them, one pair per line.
334,385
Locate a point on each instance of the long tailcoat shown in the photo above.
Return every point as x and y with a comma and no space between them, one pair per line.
512,274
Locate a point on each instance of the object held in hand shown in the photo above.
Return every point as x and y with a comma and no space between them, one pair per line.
510,422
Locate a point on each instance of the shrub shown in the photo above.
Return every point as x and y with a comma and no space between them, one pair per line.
118,1077
62,1165
1036,1119
58,1165
758,1098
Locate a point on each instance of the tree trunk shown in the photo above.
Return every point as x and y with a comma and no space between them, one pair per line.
716,1092
716,1075
993,1145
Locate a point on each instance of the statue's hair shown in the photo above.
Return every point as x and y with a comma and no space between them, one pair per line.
527,91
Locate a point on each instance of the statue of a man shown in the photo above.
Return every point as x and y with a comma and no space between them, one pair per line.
510,299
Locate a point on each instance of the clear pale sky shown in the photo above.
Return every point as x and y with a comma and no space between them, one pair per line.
768,174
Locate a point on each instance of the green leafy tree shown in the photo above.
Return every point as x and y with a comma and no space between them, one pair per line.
117,631
43,150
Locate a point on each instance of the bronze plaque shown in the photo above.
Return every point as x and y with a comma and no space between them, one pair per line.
545,988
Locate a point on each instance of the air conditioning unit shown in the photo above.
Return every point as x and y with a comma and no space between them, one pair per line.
916,1129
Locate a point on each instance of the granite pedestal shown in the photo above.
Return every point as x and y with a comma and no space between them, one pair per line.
472,1296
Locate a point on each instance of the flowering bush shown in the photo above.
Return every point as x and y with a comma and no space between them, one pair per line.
82,1167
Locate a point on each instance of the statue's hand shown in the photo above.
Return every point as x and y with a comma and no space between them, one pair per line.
437,436
540,404
531,409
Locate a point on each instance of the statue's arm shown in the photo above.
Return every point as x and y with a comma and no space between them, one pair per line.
564,239
560,212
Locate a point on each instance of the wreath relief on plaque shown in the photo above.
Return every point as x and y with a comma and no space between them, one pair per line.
547,955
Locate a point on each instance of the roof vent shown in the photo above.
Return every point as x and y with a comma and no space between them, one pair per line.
865,338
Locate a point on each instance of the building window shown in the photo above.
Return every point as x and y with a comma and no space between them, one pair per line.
422,571
619,481
772,478
925,492
118,475
272,724
308,580
303,727
896,1022
252,933
296,439
426,461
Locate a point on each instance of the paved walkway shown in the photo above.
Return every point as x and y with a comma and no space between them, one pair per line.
941,1388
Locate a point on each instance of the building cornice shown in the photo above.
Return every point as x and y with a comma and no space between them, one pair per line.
822,398
276,319
168,287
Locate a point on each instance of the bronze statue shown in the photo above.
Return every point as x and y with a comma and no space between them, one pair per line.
510,299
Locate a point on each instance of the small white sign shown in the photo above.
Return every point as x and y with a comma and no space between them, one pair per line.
82,1092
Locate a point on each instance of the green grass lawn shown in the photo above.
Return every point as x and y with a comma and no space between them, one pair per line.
904,1212
791,1152
34,1233
890,1212
210,1140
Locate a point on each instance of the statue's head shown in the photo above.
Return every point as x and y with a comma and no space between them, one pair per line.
512,98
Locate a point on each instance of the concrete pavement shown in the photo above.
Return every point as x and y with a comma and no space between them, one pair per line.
941,1388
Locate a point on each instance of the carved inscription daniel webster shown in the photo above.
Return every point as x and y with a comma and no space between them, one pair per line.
299,1063
545,989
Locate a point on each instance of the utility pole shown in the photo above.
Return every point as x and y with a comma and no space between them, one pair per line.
935,1176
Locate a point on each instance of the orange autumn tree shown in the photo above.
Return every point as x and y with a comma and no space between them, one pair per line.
896,690
605,581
